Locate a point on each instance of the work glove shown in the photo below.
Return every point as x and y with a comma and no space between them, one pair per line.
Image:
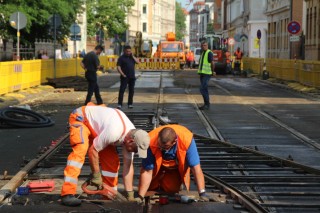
139,200
203,197
96,179
130,196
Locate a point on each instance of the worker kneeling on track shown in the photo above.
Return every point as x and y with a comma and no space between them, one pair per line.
171,154
98,130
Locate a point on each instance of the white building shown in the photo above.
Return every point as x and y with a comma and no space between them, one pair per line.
243,18
154,18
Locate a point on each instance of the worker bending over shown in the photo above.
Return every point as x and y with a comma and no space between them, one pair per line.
98,130
171,154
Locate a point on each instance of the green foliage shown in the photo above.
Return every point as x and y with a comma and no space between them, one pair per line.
38,13
109,15
180,22
210,28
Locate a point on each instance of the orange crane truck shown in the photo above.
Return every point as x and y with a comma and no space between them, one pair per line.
170,48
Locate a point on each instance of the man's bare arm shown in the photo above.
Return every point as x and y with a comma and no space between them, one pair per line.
120,71
199,178
144,182
93,159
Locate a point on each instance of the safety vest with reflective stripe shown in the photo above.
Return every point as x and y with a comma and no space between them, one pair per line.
183,144
205,65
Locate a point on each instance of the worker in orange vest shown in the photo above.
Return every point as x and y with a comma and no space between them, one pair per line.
98,130
171,155
228,60
237,64
238,54
190,58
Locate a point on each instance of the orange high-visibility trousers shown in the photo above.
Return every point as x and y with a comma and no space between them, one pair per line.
79,141
167,180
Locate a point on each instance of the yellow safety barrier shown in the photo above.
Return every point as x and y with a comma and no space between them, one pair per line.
304,72
17,75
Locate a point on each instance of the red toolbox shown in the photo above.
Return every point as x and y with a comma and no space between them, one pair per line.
41,186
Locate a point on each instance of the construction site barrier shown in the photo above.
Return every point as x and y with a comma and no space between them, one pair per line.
17,75
302,71
110,62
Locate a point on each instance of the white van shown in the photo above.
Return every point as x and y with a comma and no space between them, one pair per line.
196,53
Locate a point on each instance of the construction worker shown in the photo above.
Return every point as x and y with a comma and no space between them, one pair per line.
228,60
206,70
238,54
98,130
190,58
171,155
237,64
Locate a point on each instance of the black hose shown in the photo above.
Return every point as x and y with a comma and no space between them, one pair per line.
20,117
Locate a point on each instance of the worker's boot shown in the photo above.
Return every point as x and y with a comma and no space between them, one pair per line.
70,200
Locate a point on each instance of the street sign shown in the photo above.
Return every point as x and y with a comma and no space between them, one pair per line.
75,38
231,41
259,34
55,21
75,29
294,38
294,27
18,20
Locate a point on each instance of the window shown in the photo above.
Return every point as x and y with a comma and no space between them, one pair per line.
144,27
144,9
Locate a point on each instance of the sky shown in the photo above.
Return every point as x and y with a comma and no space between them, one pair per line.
184,3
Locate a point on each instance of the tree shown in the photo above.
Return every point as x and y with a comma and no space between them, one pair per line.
180,22
38,13
108,15
210,28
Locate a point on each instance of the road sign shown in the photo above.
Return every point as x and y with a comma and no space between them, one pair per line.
75,38
55,21
259,34
18,20
294,27
75,29
294,38
231,41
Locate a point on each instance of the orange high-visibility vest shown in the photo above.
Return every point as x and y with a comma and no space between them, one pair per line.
184,141
238,54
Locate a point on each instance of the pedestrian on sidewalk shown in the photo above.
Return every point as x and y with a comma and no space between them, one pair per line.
126,68
91,63
206,70
98,130
171,156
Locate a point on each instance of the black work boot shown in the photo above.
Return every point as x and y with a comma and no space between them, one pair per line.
70,200
205,107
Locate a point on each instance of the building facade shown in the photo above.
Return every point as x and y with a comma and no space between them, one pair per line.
154,18
311,37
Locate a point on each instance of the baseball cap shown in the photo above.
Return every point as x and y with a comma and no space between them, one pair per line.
142,139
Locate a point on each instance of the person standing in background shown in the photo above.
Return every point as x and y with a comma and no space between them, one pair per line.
91,64
125,67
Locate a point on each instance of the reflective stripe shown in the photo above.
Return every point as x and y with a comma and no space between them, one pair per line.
109,174
115,188
70,180
74,163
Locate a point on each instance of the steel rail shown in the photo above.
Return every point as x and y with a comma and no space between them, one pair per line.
16,181
242,198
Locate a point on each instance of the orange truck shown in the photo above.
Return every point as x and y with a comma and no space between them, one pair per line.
170,48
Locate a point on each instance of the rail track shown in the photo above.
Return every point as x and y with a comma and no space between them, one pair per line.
255,181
